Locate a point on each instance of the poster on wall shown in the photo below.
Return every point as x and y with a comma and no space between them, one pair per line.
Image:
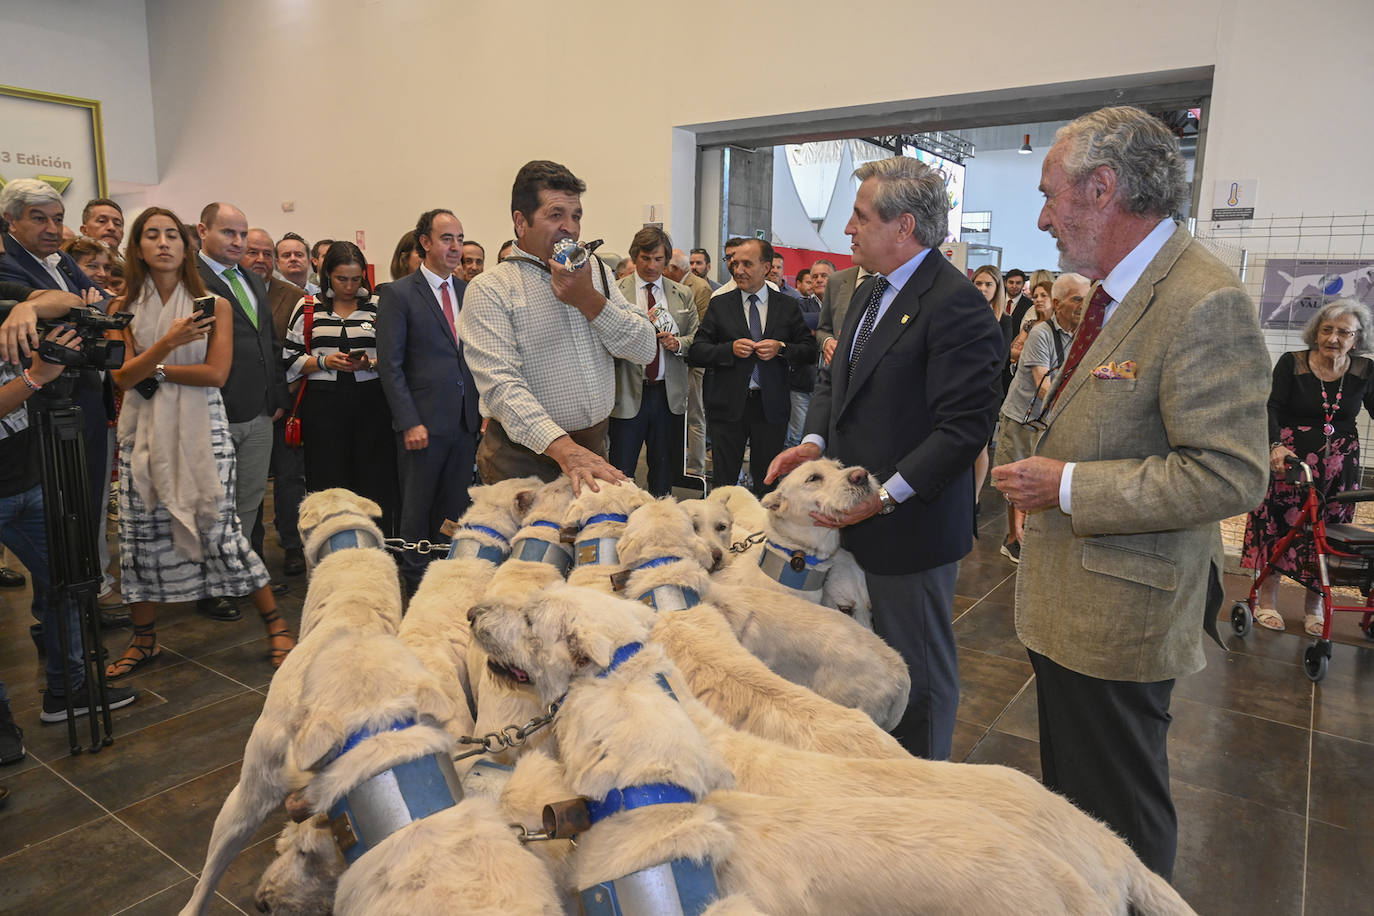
54,138
1295,289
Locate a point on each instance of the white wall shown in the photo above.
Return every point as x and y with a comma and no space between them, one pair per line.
1005,182
92,49
364,113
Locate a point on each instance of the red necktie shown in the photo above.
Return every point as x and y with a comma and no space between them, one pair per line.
651,370
448,308
1088,330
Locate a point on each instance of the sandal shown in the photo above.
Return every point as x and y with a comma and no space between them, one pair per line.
137,654
1269,618
1312,624
275,654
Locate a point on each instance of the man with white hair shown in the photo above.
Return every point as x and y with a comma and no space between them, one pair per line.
912,396
1155,431
679,270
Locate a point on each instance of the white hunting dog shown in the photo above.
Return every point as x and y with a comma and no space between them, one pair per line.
623,734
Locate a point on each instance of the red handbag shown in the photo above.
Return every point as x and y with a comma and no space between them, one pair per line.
291,433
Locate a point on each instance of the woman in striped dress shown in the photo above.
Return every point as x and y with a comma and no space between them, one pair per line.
179,531
345,419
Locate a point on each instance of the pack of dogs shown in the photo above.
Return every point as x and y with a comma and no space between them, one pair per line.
605,703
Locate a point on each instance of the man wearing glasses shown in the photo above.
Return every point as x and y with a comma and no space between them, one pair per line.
1023,410
1156,430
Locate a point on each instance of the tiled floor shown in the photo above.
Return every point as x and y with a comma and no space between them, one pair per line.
1270,772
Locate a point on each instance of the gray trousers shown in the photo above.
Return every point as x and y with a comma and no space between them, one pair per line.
914,614
252,458
696,423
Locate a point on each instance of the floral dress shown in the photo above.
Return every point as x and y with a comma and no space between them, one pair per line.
1299,404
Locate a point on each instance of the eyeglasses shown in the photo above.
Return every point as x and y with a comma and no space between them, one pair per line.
1340,333
1037,422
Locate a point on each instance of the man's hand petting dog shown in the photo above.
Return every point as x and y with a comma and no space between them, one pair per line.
582,466
864,510
789,459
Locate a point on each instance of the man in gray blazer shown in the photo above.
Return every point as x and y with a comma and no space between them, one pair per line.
255,394
839,289
1155,431
650,400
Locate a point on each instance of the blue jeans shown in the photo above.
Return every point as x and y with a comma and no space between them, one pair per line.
24,531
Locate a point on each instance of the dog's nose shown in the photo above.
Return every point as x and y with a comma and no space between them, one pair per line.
857,475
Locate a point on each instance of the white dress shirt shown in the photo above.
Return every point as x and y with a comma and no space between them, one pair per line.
49,264
762,293
435,281
896,486
642,300
1118,283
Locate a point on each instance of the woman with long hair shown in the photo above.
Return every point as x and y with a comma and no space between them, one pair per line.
179,532
345,418
988,280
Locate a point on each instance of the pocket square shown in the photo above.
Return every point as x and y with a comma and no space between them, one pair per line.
1121,370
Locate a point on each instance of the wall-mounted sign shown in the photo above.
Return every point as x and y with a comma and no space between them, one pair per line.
1234,198
55,138
1295,289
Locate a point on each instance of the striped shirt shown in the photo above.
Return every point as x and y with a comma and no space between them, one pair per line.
330,334
541,367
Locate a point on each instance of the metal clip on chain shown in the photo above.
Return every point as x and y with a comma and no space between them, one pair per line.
508,737
741,546
401,545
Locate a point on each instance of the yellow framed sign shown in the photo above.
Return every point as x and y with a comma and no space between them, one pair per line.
56,138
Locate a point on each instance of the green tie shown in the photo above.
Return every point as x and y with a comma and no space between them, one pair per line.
241,295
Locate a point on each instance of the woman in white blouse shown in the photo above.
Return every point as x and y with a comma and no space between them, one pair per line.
345,420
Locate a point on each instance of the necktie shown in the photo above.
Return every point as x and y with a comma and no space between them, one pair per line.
1083,339
875,298
651,370
448,308
241,295
756,332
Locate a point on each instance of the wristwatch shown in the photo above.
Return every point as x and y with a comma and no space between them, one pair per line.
160,373
889,504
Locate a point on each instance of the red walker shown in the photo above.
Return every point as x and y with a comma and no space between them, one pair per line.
1345,556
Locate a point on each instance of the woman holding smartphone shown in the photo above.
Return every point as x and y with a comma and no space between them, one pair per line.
345,419
179,531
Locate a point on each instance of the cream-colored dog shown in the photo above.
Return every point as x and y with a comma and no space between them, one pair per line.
622,726
594,521
435,626
354,594
664,557
800,556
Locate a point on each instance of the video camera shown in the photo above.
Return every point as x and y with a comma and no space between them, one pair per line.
90,323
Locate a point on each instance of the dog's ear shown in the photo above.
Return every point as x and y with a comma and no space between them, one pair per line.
319,734
588,645
432,703
523,500
368,507
774,502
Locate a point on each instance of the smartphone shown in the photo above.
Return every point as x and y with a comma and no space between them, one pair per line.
205,306
357,355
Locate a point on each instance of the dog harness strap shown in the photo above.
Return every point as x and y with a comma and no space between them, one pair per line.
778,566
488,531
622,655
359,737
391,800
680,886
348,539
656,562
671,598
807,558
597,552
537,551
631,797
606,517
469,548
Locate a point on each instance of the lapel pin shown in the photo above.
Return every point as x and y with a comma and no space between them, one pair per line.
905,319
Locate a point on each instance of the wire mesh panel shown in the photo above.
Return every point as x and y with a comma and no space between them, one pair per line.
1292,266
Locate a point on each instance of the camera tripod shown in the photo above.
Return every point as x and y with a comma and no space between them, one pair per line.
73,568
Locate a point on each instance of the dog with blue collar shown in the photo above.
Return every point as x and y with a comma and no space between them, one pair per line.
336,520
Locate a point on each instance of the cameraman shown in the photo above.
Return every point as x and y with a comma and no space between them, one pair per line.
22,526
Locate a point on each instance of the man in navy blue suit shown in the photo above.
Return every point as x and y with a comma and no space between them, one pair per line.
432,394
912,395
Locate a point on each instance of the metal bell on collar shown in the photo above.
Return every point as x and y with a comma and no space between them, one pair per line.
798,561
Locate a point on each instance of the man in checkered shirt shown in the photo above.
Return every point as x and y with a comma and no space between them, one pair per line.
542,340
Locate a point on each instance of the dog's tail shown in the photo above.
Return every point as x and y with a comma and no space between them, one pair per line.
1151,895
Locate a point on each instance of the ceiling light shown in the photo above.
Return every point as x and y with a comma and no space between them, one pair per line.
1025,149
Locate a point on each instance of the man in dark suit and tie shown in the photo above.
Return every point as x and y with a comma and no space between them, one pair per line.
912,395
739,343
255,394
432,394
